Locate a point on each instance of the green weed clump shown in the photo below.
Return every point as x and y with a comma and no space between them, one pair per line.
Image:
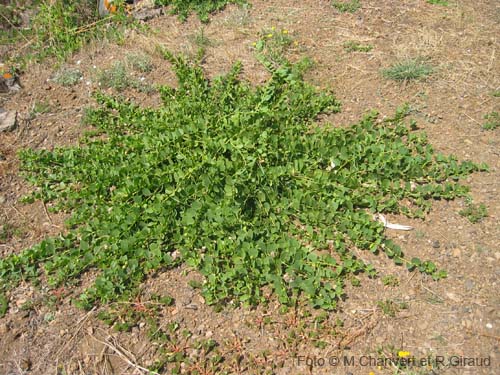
236,181
140,62
68,77
492,121
411,69
353,46
118,77
438,2
350,6
183,8
4,305
273,45
474,212
10,14
61,27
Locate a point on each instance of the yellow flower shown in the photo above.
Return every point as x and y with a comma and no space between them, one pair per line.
285,31
269,35
295,43
273,28
371,373
403,354
254,44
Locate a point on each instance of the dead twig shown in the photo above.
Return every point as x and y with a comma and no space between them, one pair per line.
80,326
124,357
47,213
430,291
484,335
12,25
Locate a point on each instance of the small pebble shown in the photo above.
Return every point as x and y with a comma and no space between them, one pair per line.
469,285
489,325
4,328
436,244
25,364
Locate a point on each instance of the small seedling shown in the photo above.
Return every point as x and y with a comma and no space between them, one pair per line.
350,6
39,108
474,212
195,284
419,234
200,39
355,282
6,232
390,280
68,77
391,308
388,307
496,94
411,69
353,46
492,121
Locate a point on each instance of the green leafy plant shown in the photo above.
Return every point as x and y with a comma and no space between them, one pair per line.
239,183
408,70
474,212
353,46
349,6
495,93
492,121
183,8
427,267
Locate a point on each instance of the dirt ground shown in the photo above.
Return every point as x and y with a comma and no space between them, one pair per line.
456,318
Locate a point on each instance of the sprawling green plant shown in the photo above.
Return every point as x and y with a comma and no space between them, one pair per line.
237,182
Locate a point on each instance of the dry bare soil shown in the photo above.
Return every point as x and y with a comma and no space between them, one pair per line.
457,318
